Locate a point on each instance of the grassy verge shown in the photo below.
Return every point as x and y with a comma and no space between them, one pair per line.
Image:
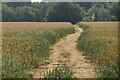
24,49
99,43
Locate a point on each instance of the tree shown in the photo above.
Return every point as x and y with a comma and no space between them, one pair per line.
7,14
115,10
65,12
44,10
60,12
18,4
36,5
89,18
25,13
101,12
85,5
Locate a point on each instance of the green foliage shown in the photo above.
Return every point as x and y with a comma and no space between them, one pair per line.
18,4
26,13
59,72
115,10
8,14
85,5
61,12
65,12
44,9
98,12
89,19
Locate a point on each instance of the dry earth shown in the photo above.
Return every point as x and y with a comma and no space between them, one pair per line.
65,52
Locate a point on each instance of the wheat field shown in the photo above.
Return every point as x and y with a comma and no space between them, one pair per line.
100,43
26,44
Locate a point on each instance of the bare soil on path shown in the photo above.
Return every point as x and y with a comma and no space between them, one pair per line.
65,52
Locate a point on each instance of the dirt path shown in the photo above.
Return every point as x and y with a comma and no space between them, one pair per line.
65,52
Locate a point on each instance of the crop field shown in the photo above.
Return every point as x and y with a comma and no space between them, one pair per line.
35,25
99,41
26,44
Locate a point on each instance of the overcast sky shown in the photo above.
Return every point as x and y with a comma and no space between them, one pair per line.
76,0
36,0
60,0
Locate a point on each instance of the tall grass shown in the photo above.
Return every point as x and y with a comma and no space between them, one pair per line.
25,49
100,44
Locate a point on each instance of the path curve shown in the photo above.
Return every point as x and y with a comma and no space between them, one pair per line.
76,61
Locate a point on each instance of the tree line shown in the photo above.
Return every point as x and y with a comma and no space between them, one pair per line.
60,12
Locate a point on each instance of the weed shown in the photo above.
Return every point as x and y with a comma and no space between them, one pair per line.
46,62
65,54
59,72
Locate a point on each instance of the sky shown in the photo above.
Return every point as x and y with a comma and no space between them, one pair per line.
60,0
36,0
79,0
